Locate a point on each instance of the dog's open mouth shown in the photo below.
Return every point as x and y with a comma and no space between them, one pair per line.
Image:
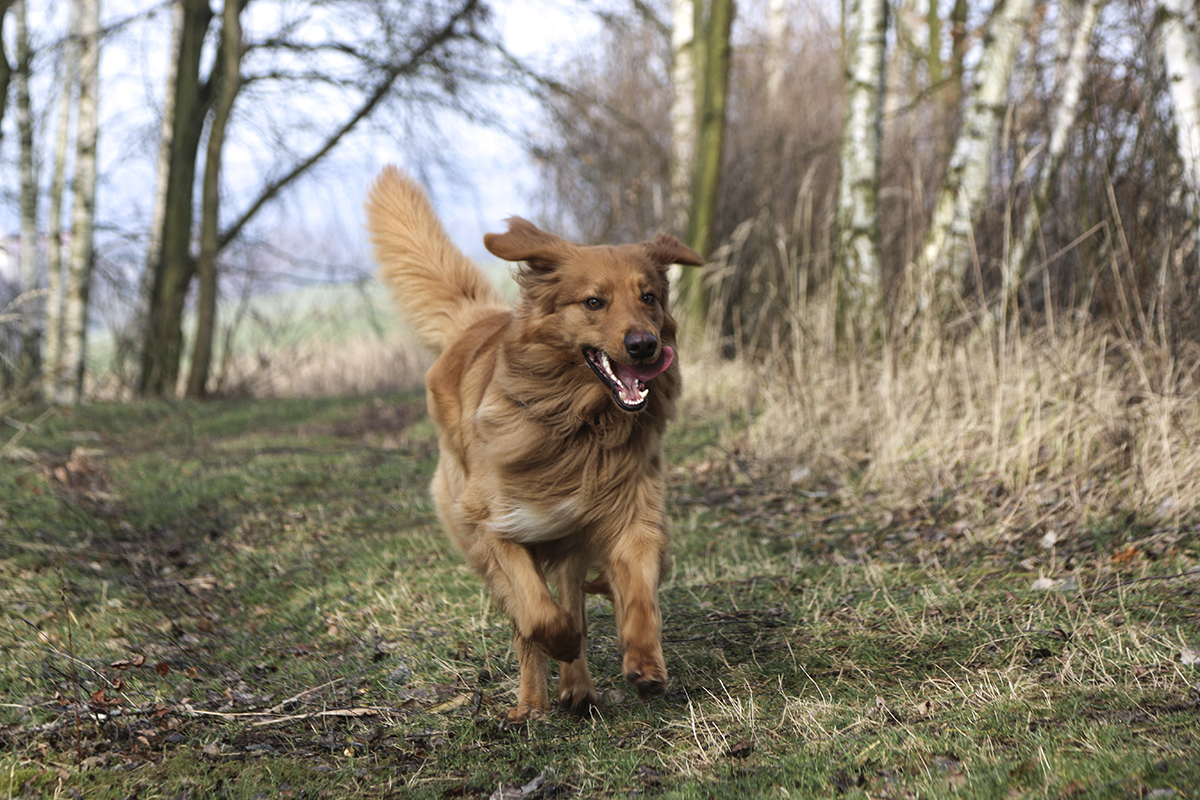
628,381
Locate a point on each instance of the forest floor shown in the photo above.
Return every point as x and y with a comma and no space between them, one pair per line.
248,599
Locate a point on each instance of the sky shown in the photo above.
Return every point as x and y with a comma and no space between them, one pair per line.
493,177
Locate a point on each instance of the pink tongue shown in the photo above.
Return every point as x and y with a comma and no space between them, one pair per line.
645,372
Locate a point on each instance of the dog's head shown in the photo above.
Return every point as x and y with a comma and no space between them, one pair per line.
605,306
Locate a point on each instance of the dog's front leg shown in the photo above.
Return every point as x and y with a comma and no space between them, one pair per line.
634,571
519,586
575,689
533,694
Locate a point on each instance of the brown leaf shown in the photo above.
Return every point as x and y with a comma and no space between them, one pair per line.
1125,556
743,748
162,668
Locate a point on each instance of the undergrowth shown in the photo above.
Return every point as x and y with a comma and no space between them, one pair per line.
250,599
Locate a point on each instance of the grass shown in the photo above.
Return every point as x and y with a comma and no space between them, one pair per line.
251,599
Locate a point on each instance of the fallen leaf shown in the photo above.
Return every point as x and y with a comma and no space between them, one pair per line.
1189,656
743,748
1125,556
451,704
162,668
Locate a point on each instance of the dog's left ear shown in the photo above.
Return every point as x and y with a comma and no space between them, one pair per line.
526,242
666,250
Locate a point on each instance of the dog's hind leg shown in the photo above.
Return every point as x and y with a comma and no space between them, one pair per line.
575,689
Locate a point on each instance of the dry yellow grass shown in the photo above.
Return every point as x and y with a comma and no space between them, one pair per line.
1069,424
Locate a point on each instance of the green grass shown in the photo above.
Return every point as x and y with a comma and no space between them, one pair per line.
251,599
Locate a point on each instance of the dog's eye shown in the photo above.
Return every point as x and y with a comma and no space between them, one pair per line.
649,299
594,303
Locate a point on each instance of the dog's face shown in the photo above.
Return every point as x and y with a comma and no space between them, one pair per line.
606,306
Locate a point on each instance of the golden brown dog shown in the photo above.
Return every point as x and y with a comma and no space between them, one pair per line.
550,417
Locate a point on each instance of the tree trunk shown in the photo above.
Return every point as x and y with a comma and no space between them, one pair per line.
1069,94
858,187
52,363
683,113
5,67
231,56
163,338
713,73
776,56
946,253
163,169
30,364
79,269
1181,57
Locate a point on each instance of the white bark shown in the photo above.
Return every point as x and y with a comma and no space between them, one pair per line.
30,277
946,253
79,268
1181,57
858,188
1069,93
776,57
52,366
684,122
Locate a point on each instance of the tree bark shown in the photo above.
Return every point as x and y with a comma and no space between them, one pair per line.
52,361
5,67
1181,57
230,82
175,265
69,390
946,253
30,364
858,187
776,56
683,113
713,73
1065,115
163,168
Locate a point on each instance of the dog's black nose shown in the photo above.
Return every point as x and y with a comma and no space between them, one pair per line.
640,344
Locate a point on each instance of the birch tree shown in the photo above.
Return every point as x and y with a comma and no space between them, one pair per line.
52,353
683,113
30,363
69,389
5,66
946,252
858,187
1065,115
1181,56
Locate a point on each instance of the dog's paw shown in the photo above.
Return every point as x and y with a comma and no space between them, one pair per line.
521,714
579,700
648,674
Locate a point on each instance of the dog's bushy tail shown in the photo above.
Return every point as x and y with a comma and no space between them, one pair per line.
438,289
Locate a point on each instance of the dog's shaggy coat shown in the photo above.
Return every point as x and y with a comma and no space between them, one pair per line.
550,417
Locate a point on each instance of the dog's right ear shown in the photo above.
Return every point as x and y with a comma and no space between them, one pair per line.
526,242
